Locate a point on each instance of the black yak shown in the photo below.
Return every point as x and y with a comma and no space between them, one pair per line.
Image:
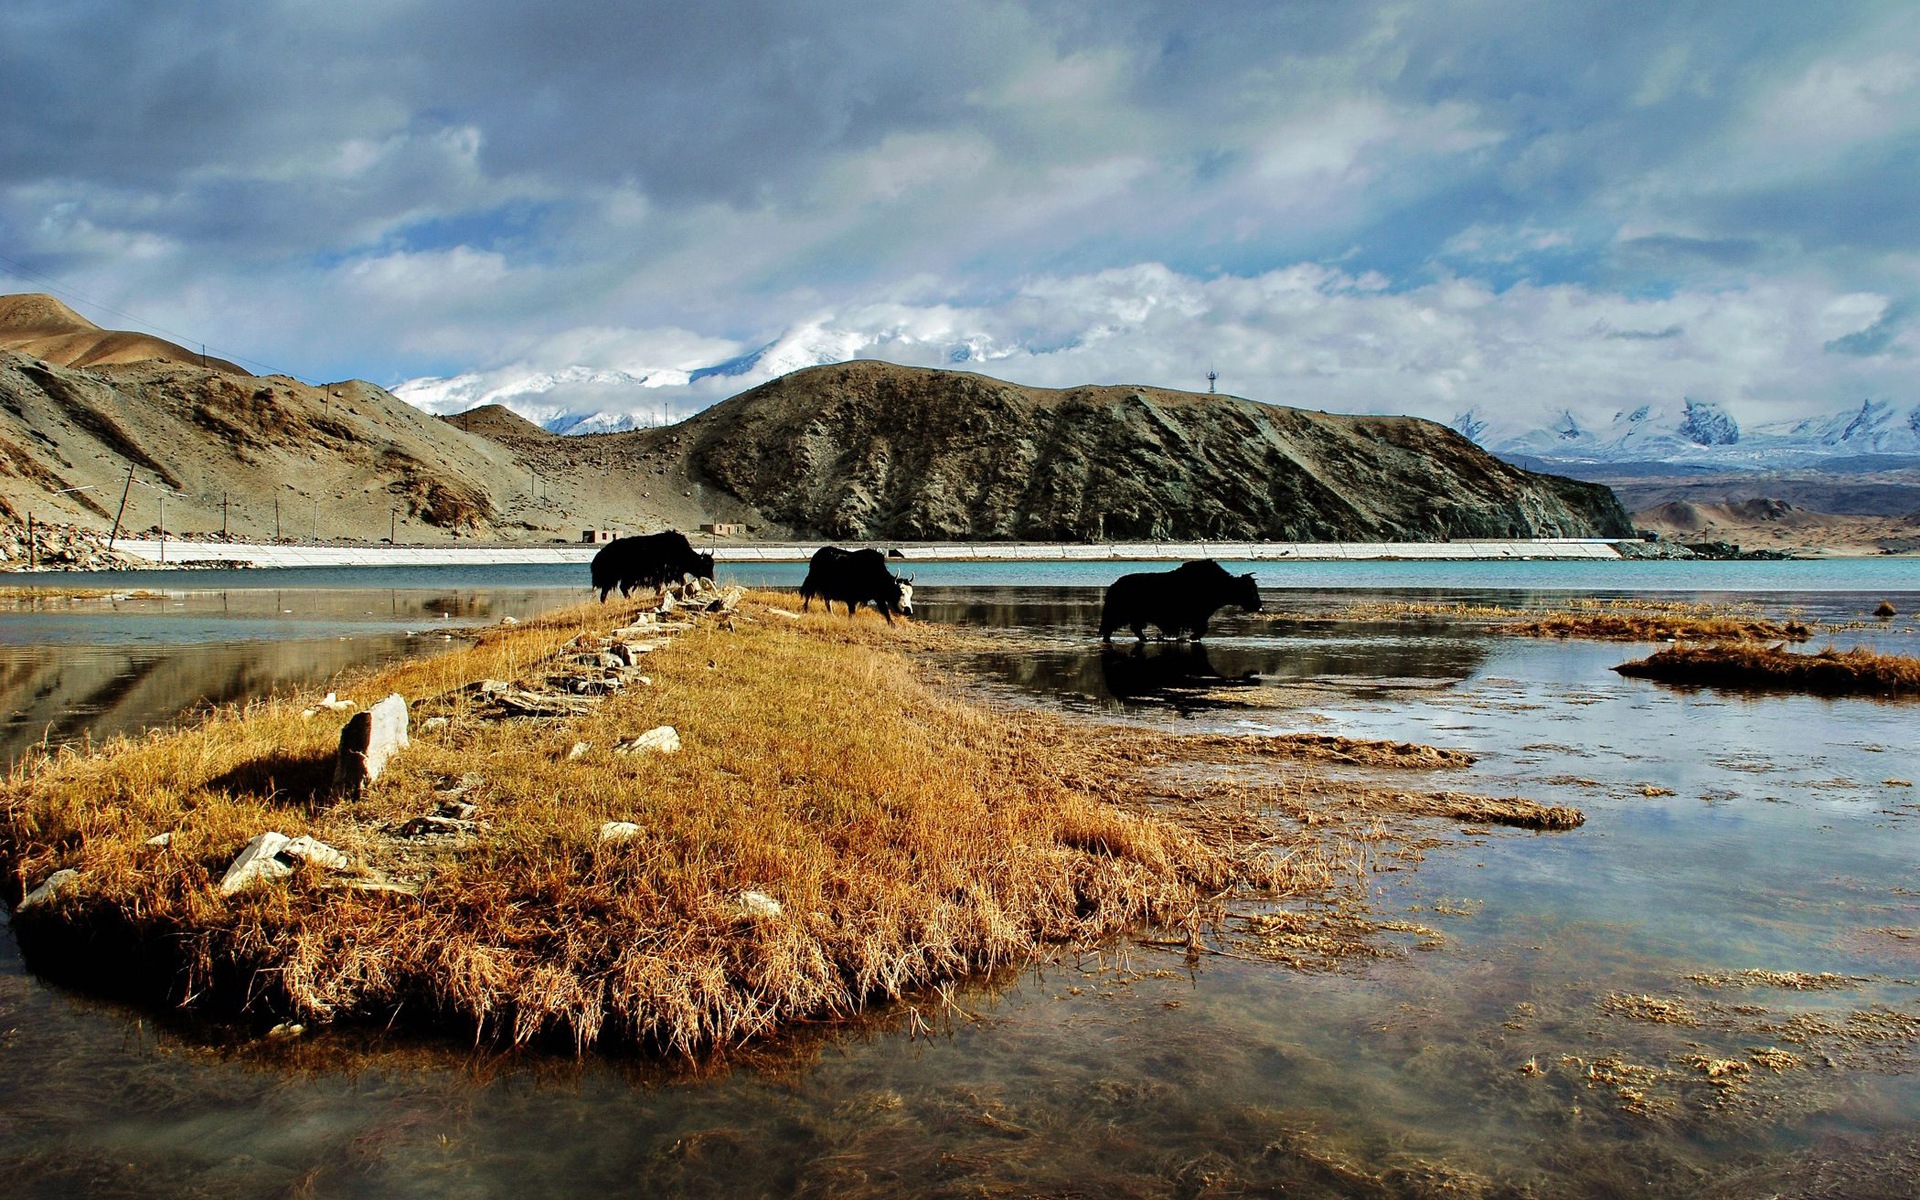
856,577
1180,602
652,561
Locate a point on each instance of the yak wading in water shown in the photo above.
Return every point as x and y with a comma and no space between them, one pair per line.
1179,602
856,577
652,561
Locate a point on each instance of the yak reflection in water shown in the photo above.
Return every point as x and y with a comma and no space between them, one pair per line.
1179,673
1229,673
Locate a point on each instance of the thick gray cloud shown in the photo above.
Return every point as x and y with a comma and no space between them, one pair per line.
409,186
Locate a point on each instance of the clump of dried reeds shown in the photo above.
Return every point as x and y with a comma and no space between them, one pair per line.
1860,671
1619,620
907,837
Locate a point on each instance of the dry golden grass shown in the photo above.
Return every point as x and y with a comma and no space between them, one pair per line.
1306,747
1597,619
1831,672
909,838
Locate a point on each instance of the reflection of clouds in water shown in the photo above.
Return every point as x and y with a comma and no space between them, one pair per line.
65,693
74,666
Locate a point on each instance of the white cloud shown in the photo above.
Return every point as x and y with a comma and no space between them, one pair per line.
1316,337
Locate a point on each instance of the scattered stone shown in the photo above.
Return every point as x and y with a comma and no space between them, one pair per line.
160,840
661,739
493,687
509,620
620,831
459,810
728,599
579,751
788,613
401,887
273,855
55,883
758,906
434,724
286,1029
305,849
368,741
332,704
1886,609
434,826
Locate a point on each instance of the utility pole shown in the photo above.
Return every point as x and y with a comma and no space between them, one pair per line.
393,527
276,518
316,518
122,509
33,546
223,517
163,527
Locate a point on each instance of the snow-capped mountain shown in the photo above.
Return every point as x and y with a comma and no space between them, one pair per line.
571,400
579,399
1702,433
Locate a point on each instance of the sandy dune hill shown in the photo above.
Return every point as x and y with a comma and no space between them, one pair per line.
41,327
1769,523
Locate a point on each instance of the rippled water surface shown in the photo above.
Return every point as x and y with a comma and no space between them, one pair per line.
1495,1049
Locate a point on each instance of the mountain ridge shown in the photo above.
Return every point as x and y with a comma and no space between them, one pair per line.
854,450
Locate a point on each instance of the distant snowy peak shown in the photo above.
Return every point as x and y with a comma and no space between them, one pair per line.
1708,425
1701,432
1876,427
1647,432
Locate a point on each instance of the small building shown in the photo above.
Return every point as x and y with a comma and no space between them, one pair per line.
724,528
596,536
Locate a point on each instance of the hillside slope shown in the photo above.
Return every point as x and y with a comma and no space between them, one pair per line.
345,460
872,450
41,327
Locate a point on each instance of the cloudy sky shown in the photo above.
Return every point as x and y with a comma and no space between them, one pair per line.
1514,205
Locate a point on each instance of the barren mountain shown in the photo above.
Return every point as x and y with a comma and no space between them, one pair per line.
41,327
859,450
871,450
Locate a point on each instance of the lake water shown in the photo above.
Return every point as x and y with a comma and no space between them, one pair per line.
1533,1032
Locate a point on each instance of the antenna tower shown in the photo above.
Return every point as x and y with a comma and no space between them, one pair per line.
1212,375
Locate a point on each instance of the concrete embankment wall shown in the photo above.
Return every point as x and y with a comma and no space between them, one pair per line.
283,555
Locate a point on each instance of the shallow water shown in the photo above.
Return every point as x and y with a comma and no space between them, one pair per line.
1785,846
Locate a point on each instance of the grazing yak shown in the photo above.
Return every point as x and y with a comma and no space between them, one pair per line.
1180,602
652,561
856,577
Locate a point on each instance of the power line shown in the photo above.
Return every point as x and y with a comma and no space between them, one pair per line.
20,271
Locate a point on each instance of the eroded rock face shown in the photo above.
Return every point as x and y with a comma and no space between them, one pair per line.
368,741
875,451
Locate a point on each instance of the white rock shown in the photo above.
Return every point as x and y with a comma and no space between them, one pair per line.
331,704
758,905
368,741
55,883
578,751
160,839
509,620
274,855
307,850
661,739
788,613
256,860
619,831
